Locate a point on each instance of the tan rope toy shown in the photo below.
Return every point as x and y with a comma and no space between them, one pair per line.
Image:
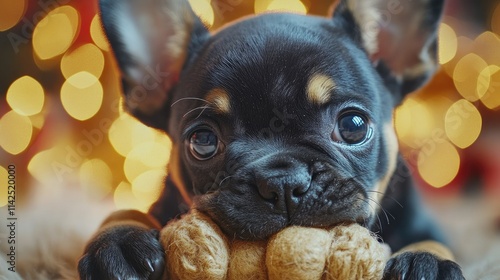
196,248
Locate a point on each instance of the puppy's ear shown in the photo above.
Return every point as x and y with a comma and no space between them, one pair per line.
400,37
151,40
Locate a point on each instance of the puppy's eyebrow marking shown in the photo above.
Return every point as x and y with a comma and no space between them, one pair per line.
319,89
218,99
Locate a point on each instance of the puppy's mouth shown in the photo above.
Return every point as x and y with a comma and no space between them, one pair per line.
242,212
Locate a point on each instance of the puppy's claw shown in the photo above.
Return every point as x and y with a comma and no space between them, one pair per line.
157,267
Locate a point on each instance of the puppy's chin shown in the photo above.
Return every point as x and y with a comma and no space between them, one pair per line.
245,215
241,216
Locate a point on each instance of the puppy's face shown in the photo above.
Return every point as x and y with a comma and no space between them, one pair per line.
292,126
276,120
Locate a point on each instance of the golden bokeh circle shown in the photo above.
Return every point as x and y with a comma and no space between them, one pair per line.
293,6
87,58
81,95
466,75
97,34
447,42
26,96
439,163
147,186
62,21
144,157
463,123
490,85
15,132
96,178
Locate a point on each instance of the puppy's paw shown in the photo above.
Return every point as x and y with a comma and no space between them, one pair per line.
421,265
123,252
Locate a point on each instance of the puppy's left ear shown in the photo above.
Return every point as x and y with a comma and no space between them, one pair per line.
151,40
400,38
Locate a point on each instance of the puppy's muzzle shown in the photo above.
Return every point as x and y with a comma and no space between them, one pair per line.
283,181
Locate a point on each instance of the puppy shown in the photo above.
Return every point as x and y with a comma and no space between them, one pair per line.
276,120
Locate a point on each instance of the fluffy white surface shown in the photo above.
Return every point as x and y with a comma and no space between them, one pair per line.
52,229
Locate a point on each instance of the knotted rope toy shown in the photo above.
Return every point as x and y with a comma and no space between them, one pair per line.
196,248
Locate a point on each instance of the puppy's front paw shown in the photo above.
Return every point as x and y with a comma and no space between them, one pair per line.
123,252
421,265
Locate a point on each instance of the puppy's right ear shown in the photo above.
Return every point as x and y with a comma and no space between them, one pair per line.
151,40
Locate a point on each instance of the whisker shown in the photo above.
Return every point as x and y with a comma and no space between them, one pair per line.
374,211
188,98
387,214
222,181
388,196
202,111
203,108
384,195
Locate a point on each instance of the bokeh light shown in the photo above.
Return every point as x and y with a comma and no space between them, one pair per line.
38,120
26,96
145,157
123,196
483,46
293,6
11,12
148,185
63,21
120,132
41,166
81,95
484,81
96,178
413,121
491,97
260,6
463,123
87,58
126,133
448,43
15,132
466,75
3,187
464,47
439,165
97,34
204,10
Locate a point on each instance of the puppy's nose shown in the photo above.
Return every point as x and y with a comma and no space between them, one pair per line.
285,185
282,189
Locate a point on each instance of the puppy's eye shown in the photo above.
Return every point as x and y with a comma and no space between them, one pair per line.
203,144
352,128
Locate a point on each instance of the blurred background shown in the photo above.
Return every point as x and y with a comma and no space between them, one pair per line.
62,126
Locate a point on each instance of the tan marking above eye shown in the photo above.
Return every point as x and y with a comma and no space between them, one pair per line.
319,89
218,99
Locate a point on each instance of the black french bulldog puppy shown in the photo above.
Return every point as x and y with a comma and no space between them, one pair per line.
276,120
